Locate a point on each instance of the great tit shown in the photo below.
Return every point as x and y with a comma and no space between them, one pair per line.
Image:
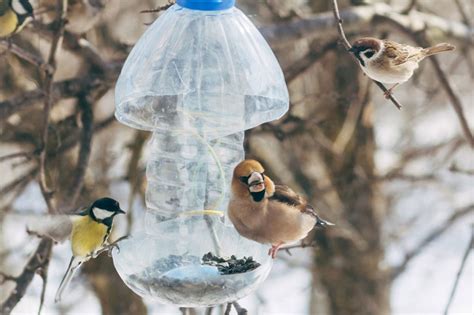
88,231
13,16
269,213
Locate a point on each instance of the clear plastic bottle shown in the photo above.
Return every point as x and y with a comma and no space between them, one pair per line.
197,78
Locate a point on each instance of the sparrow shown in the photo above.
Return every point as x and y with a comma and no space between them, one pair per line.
14,14
87,230
389,62
268,213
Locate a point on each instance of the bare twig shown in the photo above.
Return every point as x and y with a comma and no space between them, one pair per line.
60,90
422,41
350,123
39,260
302,244
43,273
29,57
303,64
348,46
29,175
410,7
462,12
359,19
470,246
25,155
160,8
435,234
85,144
61,12
455,100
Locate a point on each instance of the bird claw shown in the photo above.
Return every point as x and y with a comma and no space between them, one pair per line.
274,250
387,94
110,247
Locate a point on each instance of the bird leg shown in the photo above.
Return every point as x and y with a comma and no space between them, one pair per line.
274,250
389,91
109,247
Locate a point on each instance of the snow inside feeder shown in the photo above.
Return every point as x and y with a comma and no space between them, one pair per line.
198,77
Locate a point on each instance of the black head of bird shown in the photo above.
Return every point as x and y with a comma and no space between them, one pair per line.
104,209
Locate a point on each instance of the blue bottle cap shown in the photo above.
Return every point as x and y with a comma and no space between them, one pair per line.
206,5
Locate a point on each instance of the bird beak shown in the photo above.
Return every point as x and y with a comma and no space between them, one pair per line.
256,182
120,211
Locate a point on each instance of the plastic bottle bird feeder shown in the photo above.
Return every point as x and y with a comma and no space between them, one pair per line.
197,78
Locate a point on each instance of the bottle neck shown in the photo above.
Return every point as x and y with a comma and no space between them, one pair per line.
206,5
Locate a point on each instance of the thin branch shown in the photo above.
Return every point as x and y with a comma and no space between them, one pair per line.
43,273
410,7
302,244
350,123
87,119
39,259
359,19
422,41
348,46
25,155
29,57
60,90
25,178
435,234
462,12
160,8
470,246
303,64
61,12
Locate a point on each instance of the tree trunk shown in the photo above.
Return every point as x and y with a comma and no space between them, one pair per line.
349,255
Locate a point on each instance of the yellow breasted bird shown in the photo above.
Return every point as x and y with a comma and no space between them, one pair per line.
13,16
87,230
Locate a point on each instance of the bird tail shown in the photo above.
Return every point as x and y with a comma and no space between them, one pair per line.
438,49
322,223
71,269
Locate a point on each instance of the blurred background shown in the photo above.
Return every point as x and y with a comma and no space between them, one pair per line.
399,184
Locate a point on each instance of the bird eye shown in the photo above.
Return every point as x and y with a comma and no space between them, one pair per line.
244,179
369,53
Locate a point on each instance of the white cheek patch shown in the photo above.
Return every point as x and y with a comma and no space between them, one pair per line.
102,214
18,7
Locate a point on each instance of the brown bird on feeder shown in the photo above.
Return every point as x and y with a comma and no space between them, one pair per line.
268,213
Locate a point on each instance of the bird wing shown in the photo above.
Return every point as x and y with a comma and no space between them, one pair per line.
398,53
57,227
286,195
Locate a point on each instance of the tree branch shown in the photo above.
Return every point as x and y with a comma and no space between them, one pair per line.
39,260
348,46
61,12
470,246
420,39
435,234
358,19
29,57
85,143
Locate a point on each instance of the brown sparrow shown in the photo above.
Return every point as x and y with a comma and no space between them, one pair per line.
268,213
390,62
